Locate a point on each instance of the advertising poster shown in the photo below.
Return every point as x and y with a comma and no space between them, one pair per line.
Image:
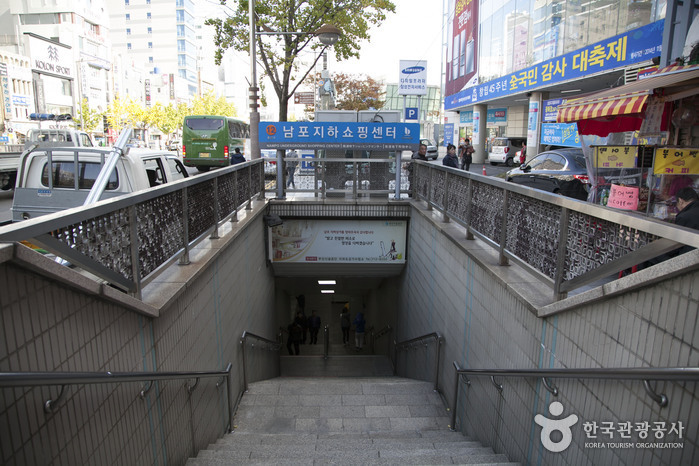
615,156
339,241
476,137
462,46
412,77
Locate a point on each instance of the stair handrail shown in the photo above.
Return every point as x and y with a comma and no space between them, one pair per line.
267,344
33,379
375,336
436,336
646,374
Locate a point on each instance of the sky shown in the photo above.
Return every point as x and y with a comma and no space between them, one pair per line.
413,32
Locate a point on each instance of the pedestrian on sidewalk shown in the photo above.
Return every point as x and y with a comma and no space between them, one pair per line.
359,327
467,154
314,326
345,324
450,160
295,330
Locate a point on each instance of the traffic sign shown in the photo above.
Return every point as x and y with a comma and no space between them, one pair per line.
304,98
411,113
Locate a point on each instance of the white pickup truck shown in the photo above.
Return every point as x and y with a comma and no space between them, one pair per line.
41,190
9,161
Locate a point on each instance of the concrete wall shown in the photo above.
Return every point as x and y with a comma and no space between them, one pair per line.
485,325
49,326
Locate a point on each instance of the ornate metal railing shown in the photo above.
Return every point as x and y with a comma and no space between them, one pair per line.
129,239
564,242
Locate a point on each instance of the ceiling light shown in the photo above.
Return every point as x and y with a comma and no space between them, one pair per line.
327,291
326,282
570,90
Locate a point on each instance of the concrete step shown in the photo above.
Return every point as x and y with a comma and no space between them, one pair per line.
342,365
343,420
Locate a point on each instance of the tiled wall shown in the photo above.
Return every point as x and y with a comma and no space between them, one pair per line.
46,326
484,326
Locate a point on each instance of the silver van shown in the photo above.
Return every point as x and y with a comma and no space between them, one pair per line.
504,149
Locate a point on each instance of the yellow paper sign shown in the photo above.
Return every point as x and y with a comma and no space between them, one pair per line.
615,156
670,161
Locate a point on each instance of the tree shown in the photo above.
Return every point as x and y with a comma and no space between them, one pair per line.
358,92
88,118
278,54
210,104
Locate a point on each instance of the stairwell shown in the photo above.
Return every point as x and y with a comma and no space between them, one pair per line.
365,416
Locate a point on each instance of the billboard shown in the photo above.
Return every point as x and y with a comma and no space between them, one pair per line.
413,77
339,241
462,46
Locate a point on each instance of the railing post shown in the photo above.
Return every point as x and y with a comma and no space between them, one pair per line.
217,211
326,341
429,188
234,218
135,262
398,174
469,210
249,193
245,366
456,396
228,396
355,175
561,254
184,260
503,228
446,196
436,371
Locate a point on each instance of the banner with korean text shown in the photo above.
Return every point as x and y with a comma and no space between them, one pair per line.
339,241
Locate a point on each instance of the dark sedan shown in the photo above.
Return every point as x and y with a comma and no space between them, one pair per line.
561,171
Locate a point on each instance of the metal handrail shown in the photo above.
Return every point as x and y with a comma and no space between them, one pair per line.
33,379
270,344
375,336
617,373
326,341
407,343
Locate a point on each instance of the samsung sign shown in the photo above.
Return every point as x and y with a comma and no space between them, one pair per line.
413,77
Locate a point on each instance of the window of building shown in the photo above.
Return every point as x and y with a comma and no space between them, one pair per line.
148,16
150,45
126,2
150,30
150,59
128,17
128,46
128,31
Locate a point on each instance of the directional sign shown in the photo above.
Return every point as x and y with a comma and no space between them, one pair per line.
411,113
304,98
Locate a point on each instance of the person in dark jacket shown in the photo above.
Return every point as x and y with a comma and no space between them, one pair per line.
295,330
450,160
314,327
237,157
359,329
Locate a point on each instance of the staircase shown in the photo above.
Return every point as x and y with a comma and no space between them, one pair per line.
343,420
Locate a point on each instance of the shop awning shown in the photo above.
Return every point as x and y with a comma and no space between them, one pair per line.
621,108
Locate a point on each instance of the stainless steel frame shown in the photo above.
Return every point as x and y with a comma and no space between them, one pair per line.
250,339
35,379
422,340
645,374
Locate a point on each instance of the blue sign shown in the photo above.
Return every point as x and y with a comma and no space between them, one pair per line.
625,49
411,113
560,134
551,109
4,139
495,117
449,133
339,135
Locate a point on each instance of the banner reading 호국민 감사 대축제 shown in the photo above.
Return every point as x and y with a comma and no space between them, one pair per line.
339,241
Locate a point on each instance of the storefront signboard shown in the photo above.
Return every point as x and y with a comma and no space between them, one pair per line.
676,161
634,46
560,134
615,156
339,135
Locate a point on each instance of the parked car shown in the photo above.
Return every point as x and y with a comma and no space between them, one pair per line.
42,191
432,152
562,171
504,149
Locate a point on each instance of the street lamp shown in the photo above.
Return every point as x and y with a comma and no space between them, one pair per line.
327,34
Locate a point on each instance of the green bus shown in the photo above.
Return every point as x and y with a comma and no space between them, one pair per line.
210,140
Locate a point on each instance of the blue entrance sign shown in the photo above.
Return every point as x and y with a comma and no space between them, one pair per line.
616,52
560,134
339,135
449,133
411,113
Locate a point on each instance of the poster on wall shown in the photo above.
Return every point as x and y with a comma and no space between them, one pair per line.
462,46
339,241
476,139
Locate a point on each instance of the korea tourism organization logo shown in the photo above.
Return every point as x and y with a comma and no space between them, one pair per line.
557,432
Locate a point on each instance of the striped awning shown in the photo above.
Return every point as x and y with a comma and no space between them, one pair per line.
585,109
630,99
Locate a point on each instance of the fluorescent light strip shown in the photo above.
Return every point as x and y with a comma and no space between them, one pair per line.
326,282
327,291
